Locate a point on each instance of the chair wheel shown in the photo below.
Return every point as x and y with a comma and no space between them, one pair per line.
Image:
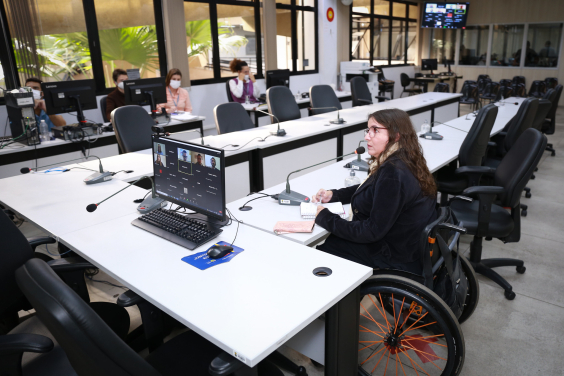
533,177
510,295
301,371
528,195
520,269
553,154
523,213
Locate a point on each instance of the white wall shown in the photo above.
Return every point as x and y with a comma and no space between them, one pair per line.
328,64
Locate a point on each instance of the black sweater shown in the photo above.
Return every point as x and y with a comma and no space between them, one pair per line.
389,213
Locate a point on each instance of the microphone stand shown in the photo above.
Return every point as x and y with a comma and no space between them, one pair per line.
279,132
358,164
289,197
339,119
196,130
97,177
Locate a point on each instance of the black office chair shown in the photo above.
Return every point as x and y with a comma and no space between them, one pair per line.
490,92
538,88
505,82
132,125
549,126
482,218
103,107
467,82
482,83
518,80
360,93
282,104
519,90
482,77
229,95
231,117
470,96
323,96
442,87
472,153
405,83
503,92
551,82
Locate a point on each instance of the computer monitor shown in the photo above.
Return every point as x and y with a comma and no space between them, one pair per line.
190,175
70,96
443,15
145,92
279,77
429,64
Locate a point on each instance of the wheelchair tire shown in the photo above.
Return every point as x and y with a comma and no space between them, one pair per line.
473,294
435,345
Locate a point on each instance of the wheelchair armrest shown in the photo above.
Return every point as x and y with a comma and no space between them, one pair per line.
129,298
365,101
452,227
36,241
225,364
20,343
474,173
70,264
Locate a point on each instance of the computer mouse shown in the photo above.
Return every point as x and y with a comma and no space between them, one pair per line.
218,251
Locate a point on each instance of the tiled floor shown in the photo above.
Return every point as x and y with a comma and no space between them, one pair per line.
519,337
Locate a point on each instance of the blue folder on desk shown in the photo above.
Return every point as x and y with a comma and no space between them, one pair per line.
202,261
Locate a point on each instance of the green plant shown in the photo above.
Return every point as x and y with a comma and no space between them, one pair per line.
200,38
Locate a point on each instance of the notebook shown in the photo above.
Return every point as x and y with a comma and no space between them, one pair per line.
288,227
309,210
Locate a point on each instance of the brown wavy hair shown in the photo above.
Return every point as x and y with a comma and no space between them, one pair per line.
409,150
236,65
171,73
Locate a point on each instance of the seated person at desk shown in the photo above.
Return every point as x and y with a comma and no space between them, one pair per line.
158,160
391,207
244,83
40,110
177,99
117,97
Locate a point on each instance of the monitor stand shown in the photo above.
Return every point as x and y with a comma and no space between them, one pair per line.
210,220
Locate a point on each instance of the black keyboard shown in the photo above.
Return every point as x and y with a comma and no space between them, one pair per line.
180,229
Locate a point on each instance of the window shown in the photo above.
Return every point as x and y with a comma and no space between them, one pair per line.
2,79
384,32
296,35
218,33
544,40
506,45
443,42
473,45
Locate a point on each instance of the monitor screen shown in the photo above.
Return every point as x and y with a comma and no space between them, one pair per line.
280,77
429,64
445,15
62,96
190,175
136,91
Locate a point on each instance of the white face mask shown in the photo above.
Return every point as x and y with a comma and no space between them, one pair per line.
36,94
174,84
120,85
246,77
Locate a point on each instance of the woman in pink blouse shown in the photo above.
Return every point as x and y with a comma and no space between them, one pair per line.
177,99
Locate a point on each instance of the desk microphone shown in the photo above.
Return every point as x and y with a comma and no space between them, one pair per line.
358,164
97,177
338,120
289,197
195,130
515,103
149,204
279,132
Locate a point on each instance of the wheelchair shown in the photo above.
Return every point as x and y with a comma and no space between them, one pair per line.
409,324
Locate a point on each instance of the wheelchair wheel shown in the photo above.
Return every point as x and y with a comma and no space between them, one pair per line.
473,294
430,343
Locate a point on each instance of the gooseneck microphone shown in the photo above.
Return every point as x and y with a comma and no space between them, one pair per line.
196,130
279,132
149,204
289,197
358,164
97,177
339,119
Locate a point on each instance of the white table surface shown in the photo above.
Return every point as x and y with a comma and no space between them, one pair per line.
251,305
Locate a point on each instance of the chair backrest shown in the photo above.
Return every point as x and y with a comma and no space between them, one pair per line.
442,87
470,93
14,252
551,82
482,83
404,79
538,88
132,125
519,90
505,82
282,104
518,80
522,121
229,96
474,146
359,90
518,165
90,345
231,117
552,113
482,76
544,107
467,82
323,96
103,107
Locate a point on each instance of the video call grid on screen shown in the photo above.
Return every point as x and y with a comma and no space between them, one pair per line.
189,175
445,15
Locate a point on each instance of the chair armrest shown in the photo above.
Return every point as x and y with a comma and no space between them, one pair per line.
129,298
225,364
474,173
70,264
365,101
382,97
502,134
492,144
36,241
486,196
20,343
483,190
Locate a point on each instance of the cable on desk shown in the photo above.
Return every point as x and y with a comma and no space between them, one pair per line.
260,138
450,126
126,171
237,231
256,198
89,274
57,254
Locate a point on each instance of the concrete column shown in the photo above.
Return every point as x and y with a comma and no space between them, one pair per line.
175,34
269,34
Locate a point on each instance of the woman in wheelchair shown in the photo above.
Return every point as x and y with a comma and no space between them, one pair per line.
391,207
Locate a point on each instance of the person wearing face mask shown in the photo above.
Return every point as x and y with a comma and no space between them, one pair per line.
40,110
177,99
391,207
117,97
244,83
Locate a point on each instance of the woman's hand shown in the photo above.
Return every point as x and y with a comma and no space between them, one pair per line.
252,77
319,208
322,196
241,76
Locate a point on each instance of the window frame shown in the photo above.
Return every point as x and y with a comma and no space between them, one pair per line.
294,8
373,17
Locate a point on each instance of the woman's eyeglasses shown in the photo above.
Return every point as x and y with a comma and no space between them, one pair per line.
372,131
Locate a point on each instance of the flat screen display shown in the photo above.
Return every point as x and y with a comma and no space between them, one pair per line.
445,15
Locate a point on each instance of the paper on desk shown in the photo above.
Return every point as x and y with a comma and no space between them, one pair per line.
288,227
252,106
184,116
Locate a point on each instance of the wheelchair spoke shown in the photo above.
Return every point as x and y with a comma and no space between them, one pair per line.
373,343
401,364
385,316
414,323
414,364
387,361
381,313
399,313
370,331
420,326
367,359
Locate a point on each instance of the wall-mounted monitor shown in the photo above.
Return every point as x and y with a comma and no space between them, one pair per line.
445,15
